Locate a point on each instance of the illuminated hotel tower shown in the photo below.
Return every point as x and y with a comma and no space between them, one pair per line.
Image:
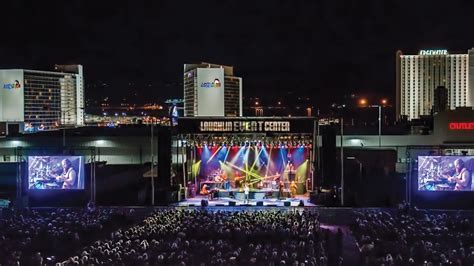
42,100
211,90
419,75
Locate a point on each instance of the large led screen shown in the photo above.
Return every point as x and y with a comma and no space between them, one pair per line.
56,172
445,173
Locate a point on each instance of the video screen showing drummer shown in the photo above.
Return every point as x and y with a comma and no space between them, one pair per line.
445,173
55,172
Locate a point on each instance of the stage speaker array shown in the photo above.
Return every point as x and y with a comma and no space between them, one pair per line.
328,156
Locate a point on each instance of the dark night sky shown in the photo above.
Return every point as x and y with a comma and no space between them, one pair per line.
316,48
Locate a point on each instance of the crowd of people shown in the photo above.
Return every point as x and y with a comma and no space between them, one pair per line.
174,236
38,237
200,237
414,237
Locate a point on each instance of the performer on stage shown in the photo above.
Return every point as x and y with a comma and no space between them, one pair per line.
280,189
226,180
293,188
276,178
246,192
291,172
68,176
208,192
463,177
204,190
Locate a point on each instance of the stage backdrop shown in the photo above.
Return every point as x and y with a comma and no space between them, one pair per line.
260,166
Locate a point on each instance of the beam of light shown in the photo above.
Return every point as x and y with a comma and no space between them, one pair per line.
269,156
298,156
206,153
246,154
246,160
245,171
237,155
301,171
227,154
257,156
195,168
225,167
214,154
283,162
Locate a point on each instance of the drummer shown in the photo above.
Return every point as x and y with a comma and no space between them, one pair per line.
462,178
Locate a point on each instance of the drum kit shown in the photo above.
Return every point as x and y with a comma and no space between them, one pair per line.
432,176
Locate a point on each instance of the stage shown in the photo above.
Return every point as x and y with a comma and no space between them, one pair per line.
227,201
217,159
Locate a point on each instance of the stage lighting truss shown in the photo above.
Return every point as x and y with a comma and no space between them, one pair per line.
242,140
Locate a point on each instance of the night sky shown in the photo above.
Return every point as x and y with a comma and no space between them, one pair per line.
321,49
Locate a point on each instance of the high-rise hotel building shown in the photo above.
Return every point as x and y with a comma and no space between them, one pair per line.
419,75
211,90
42,100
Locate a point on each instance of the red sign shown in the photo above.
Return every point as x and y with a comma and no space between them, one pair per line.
461,126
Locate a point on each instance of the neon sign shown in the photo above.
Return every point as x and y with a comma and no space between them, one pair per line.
461,126
434,52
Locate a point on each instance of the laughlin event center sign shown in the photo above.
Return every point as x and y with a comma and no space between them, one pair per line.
243,125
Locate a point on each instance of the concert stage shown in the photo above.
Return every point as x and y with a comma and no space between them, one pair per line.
219,158
227,201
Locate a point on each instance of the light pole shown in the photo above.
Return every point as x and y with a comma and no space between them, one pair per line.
342,161
380,122
152,174
380,126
